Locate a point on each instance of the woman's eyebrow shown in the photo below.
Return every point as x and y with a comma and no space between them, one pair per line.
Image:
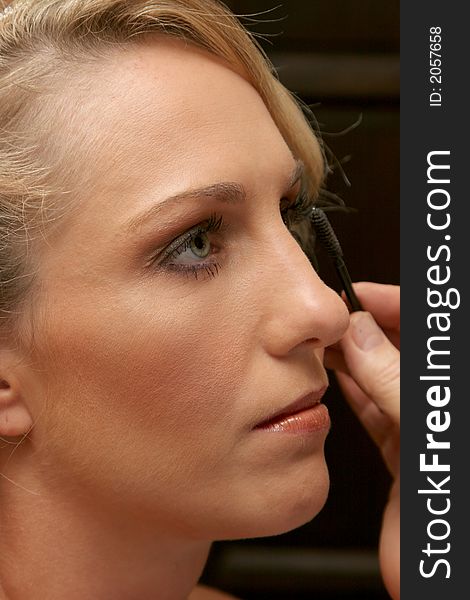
226,191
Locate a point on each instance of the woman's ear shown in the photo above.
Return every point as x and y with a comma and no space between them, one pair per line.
15,418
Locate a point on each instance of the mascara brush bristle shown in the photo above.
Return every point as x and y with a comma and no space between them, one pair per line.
325,233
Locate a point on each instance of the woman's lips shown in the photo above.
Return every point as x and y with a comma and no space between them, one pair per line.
305,415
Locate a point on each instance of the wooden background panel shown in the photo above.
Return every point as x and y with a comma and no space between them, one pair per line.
324,25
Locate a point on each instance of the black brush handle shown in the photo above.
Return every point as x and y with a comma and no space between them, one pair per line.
329,240
347,285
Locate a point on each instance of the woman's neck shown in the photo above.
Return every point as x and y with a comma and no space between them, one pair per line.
59,547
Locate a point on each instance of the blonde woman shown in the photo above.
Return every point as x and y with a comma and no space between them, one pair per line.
162,332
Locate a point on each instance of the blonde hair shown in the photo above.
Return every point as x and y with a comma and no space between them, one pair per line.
39,40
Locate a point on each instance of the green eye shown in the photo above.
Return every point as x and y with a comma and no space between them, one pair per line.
200,245
193,252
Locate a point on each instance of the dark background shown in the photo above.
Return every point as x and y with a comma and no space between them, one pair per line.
342,58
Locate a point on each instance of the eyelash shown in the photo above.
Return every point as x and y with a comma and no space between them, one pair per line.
295,213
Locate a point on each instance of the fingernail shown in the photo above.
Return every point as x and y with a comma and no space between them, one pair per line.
365,331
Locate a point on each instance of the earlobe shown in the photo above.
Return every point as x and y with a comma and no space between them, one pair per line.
15,419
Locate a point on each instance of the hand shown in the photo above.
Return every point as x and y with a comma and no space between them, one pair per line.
367,365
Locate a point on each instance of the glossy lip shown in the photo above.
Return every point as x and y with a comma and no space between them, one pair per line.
304,402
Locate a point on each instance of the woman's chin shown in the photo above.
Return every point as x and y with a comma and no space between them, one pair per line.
275,512
291,515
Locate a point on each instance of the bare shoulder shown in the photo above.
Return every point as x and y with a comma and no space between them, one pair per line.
201,592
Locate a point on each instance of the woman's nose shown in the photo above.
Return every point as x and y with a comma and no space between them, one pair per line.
299,307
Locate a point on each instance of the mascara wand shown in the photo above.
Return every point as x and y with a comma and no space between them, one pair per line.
330,242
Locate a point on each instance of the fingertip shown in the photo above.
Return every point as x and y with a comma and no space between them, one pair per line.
365,332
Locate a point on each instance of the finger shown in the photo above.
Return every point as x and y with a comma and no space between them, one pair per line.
392,334
373,362
382,301
376,423
379,426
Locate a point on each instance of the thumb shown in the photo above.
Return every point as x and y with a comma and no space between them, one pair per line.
373,362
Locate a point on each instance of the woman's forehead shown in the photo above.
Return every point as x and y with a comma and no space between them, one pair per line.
170,109
166,117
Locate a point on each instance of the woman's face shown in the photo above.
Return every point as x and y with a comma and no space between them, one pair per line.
153,363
